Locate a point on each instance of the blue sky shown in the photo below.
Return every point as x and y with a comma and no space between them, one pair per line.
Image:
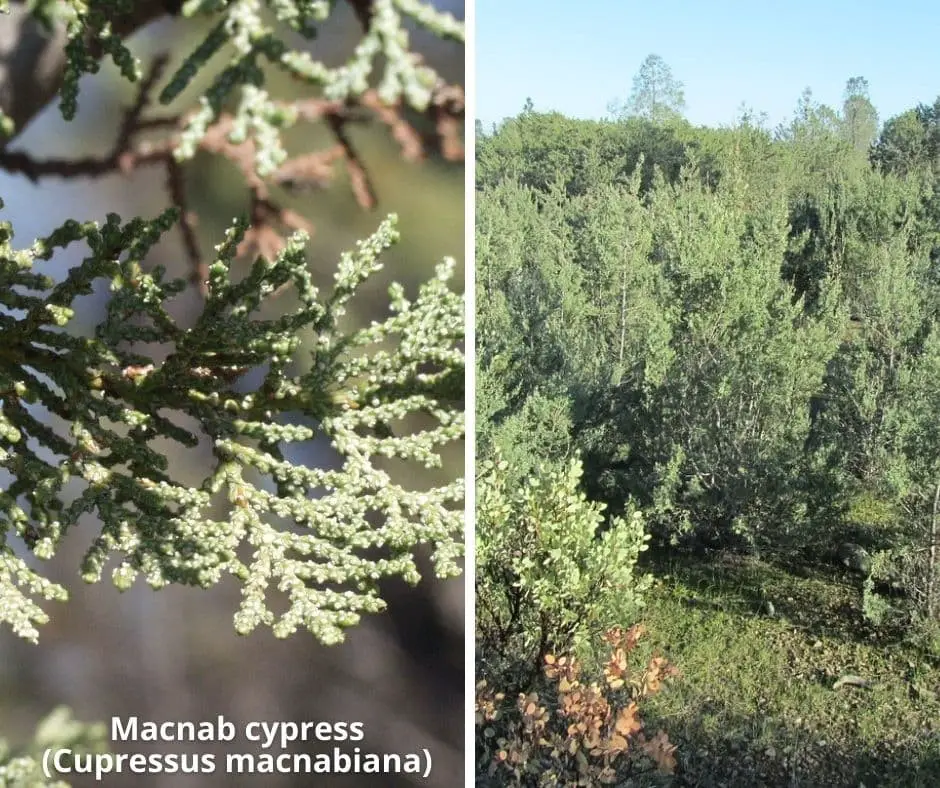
575,57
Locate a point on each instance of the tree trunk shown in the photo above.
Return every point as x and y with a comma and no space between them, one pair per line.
932,566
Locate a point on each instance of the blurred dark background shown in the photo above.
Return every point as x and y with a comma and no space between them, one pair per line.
173,654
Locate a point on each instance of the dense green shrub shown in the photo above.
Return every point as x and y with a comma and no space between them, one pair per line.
548,578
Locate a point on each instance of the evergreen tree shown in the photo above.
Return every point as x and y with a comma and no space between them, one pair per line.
859,116
656,94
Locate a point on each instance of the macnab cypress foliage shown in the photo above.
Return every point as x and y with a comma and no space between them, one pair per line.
251,35
86,421
114,402
59,730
